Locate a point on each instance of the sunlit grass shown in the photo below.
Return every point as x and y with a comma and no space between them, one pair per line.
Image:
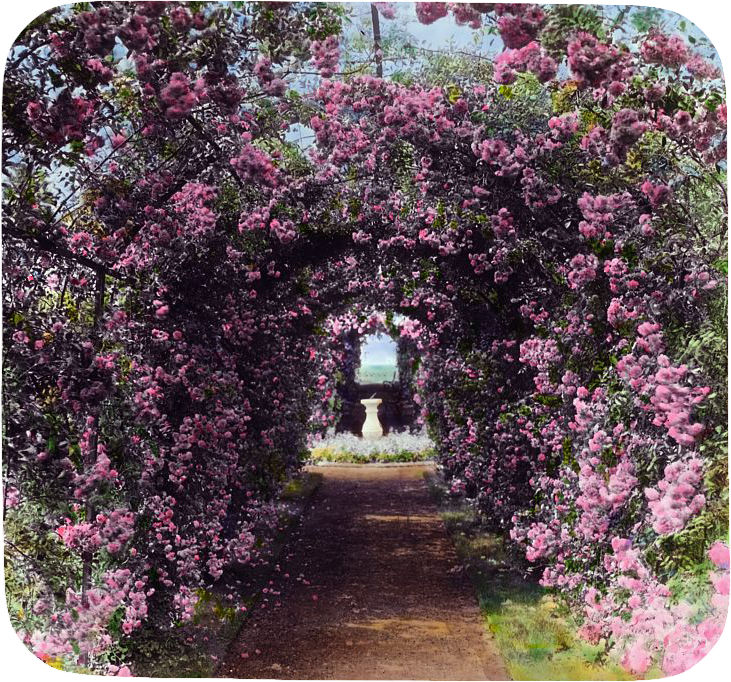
301,487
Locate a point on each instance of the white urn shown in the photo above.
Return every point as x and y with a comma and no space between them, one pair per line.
372,428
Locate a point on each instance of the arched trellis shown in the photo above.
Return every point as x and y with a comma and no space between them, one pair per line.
166,349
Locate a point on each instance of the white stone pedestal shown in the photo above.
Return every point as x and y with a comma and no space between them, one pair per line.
372,428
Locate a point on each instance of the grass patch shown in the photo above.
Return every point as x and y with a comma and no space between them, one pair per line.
301,488
537,636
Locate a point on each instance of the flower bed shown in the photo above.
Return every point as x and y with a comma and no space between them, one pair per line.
394,447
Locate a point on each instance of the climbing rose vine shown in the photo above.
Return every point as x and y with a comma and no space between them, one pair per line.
183,285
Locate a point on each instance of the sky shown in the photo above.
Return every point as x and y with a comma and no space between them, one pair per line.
377,350
439,34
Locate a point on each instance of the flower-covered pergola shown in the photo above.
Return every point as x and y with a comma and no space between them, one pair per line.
174,265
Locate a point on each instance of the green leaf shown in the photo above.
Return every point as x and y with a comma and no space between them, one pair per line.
453,93
713,101
722,265
506,91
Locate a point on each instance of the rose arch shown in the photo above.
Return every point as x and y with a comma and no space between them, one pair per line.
175,269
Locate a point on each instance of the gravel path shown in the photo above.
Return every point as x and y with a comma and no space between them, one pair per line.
371,589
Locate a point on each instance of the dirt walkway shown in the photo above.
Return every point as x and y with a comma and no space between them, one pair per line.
374,591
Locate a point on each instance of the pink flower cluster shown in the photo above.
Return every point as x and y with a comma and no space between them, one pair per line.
429,12
500,263
563,126
583,270
542,540
465,14
530,311
670,397
657,194
386,9
108,531
98,31
101,472
102,72
537,191
604,490
587,414
595,142
622,310
590,60
139,33
180,18
650,338
702,279
540,353
264,74
68,118
673,402
600,212
719,555
253,165
502,224
82,627
326,55
701,68
518,24
616,268
532,58
648,626
11,496
285,231
677,497
192,207
627,128
660,48
491,150
178,96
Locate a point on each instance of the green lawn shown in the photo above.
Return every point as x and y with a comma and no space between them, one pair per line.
376,374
